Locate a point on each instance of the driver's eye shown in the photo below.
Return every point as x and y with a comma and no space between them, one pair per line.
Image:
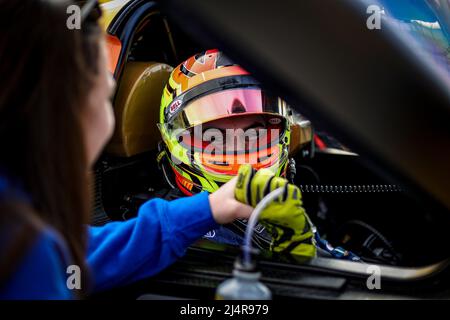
214,131
256,126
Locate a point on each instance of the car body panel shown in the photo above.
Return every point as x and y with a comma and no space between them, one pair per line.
110,9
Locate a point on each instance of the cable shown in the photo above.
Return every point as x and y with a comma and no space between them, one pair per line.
292,170
369,188
358,188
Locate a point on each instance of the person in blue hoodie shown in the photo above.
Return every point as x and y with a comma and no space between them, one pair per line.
55,118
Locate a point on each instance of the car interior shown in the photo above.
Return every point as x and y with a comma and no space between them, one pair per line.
352,205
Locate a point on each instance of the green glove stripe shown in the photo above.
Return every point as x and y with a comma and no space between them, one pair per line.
249,187
258,184
258,194
295,193
286,235
267,186
276,183
307,227
285,192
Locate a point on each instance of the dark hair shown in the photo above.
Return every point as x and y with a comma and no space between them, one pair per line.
46,72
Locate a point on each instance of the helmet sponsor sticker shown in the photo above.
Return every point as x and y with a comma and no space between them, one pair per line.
275,121
174,106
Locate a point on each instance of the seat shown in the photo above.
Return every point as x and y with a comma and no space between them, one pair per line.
136,108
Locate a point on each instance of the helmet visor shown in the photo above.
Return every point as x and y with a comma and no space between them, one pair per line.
230,127
226,103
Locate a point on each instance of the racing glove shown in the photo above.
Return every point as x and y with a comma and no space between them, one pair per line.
285,217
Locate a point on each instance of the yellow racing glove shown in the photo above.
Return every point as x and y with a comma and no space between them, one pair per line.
285,217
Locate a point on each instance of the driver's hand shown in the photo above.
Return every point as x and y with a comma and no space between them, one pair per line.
224,206
285,217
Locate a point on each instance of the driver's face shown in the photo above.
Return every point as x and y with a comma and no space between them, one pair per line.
239,133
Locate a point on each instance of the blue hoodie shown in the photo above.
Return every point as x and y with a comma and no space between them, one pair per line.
118,253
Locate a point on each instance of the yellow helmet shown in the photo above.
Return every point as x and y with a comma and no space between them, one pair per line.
209,92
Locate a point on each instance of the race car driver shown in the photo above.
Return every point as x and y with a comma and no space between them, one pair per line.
208,90
215,117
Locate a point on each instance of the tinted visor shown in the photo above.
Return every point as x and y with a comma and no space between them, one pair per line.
226,103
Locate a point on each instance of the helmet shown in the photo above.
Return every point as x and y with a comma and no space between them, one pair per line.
206,97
